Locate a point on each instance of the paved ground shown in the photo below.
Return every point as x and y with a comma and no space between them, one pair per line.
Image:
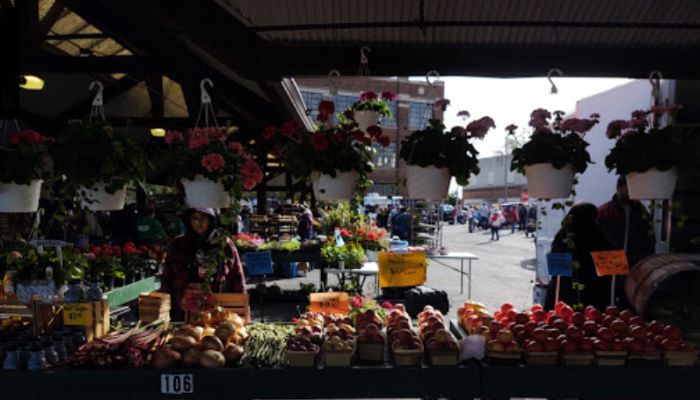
501,274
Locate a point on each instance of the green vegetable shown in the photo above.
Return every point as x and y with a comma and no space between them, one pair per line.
266,345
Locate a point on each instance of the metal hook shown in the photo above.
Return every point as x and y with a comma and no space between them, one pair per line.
552,71
98,100
363,56
205,98
655,78
331,83
433,74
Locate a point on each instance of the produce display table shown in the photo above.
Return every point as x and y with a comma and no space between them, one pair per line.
355,382
368,269
131,292
631,382
461,256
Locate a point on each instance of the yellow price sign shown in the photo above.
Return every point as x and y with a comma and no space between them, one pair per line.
77,314
330,303
402,270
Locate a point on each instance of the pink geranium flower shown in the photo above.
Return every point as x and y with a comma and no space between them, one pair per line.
237,148
198,138
213,162
368,96
479,128
389,96
173,136
616,127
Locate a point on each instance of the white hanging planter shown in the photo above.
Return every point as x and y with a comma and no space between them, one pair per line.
429,183
365,119
16,198
342,187
652,184
205,193
96,198
546,182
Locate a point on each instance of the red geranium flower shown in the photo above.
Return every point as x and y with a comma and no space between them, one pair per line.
384,140
374,131
326,107
368,96
213,162
198,138
389,96
320,142
269,132
173,136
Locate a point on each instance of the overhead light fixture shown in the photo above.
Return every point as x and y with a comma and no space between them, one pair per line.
157,132
31,82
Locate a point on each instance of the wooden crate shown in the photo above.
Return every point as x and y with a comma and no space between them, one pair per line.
504,357
543,358
154,306
611,358
302,359
92,316
578,358
338,358
45,316
407,358
238,303
680,358
371,352
444,358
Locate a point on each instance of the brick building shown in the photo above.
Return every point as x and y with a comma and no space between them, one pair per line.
411,111
488,186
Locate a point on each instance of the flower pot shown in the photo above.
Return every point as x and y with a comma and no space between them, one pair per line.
342,187
365,119
430,183
652,184
546,182
97,199
16,198
205,193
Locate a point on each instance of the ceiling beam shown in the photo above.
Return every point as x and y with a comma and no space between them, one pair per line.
93,65
303,59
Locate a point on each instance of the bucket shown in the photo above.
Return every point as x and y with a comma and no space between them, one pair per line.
365,119
205,193
546,182
97,199
342,187
16,198
652,184
429,183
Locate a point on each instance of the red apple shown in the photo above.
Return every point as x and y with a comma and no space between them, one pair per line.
504,336
574,334
512,346
522,318
560,324
559,306
588,310
636,320
534,346
566,313
560,338
550,344
590,328
505,308
625,315
551,319
539,315
495,345
686,348
650,347
522,337
595,315
655,326
511,314
498,315
635,345
605,334
618,325
586,344
536,307
517,328
670,344
619,345
637,332
578,319
672,332
612,310
658,339
607,320
601,345
495,326
568,345
539,334
553,332
530,326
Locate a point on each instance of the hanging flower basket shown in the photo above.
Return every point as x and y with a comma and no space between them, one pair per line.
652,184
546,182
16,198
205,193
430,183
342,187
365,119
96,198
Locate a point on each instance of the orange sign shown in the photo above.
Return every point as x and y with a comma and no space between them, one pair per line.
402,270
330,303
611,262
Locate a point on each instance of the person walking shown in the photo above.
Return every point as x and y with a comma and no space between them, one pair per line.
511,216
470,219
531,221
522,217
496,221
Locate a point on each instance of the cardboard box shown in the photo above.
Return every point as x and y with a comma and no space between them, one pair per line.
92,316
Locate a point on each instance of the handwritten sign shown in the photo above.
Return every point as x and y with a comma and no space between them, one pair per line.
611,262
258,263
77,314
559,264
330,303
402,270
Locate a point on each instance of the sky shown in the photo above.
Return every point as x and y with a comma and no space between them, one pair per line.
510,101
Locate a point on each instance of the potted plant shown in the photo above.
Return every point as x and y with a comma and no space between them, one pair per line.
98,162
348,256
212,166
555,152
371,238
370,108
22,168
337,158
434,155
647,154
104,266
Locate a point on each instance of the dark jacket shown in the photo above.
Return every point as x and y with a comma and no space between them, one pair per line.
640,242
180,270
587,237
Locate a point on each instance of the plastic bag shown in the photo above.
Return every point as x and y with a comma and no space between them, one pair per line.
472,346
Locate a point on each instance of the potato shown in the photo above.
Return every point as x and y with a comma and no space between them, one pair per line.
191,358
183,343
211,343
233,353
165,358
212,359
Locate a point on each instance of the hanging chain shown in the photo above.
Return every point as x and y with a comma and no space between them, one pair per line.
206,108
98,109
364,62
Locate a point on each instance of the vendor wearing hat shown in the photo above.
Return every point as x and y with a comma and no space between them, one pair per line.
186,261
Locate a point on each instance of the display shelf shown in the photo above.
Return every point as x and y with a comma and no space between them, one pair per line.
131,292
353,382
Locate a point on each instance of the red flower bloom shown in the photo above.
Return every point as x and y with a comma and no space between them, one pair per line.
198,138
511,128
269,132
374,131
368,96
213,162
384,140
387,305
389,96
249,184
237,148
359,136
345,232
173,136
464,113
216,134
616,127
320,142
326,107
29,137
577,125
480,127
539,117
117,251
252,174
356,303
290,128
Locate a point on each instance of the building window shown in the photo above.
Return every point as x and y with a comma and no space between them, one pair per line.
384,189
419,114
385,157
311,100
390,121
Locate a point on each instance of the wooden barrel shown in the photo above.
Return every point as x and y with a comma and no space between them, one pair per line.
653,274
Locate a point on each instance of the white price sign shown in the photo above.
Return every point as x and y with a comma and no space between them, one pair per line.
176,384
